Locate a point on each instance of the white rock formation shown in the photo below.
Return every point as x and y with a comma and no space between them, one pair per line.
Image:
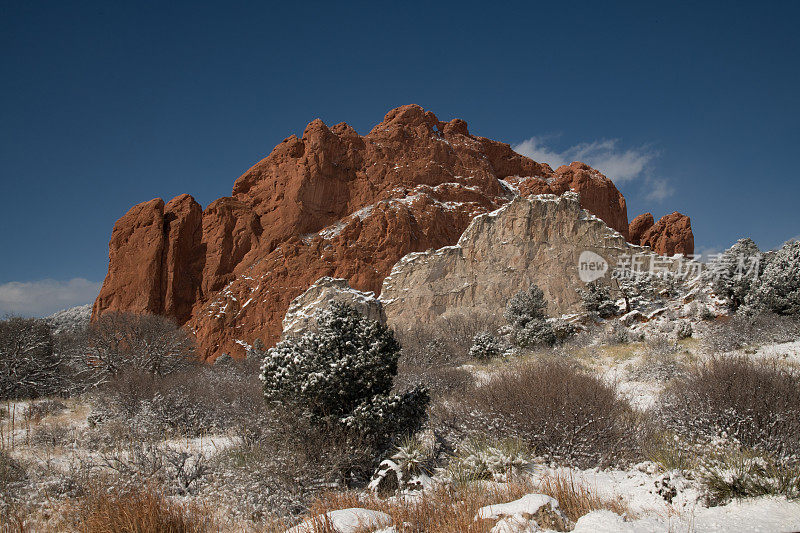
540,240
300,315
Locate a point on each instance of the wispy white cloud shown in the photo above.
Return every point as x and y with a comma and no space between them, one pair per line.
658,189
44,297
617,163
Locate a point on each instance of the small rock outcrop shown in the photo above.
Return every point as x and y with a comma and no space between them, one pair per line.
638,227
300,315
329,203
671,235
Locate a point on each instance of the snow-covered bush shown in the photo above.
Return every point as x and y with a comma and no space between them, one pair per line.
485,346
556,408
526,306
29,368
754,403
749,330
659,361
344,373
122,342
683,330
483,459
739,474
616,334
535,333
526,314
194,401
735,273
562,329
597,300
778,290
408,469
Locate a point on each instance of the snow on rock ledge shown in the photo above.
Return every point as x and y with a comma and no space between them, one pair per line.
301,313
535,240
528,513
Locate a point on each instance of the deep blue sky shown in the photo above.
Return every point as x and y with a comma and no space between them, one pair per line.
104,106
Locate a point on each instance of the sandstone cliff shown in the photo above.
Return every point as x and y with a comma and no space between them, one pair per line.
330,203
541,240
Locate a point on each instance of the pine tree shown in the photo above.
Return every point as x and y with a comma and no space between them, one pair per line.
343,373
526,313
597,299
778,289
736,272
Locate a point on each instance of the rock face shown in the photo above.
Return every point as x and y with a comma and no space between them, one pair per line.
671,235
300,315
598,194
330,203
639,226
540,240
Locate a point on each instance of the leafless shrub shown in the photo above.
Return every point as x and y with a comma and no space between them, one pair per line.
293,462
178,471
118,342
447,340
756,403
741,331
616,334
11,471
566,414
196,400
29,368
659,361
13,475
52,435
431,354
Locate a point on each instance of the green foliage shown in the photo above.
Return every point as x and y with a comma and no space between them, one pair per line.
597,300
525,306
536,332
743,474
485,346
526,313
736,272
343,373
779,288
485,459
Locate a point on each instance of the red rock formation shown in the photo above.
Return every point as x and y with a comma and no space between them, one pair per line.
598,193
638,226
671,235
134,270
331,203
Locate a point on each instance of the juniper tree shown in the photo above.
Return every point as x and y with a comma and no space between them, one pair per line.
736,272
485,346
597,299
526,313
343,373
778,289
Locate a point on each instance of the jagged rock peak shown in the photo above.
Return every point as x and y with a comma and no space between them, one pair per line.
331,203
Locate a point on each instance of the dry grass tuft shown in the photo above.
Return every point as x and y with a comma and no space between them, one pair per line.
448,509
139,511
575,500
443,510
